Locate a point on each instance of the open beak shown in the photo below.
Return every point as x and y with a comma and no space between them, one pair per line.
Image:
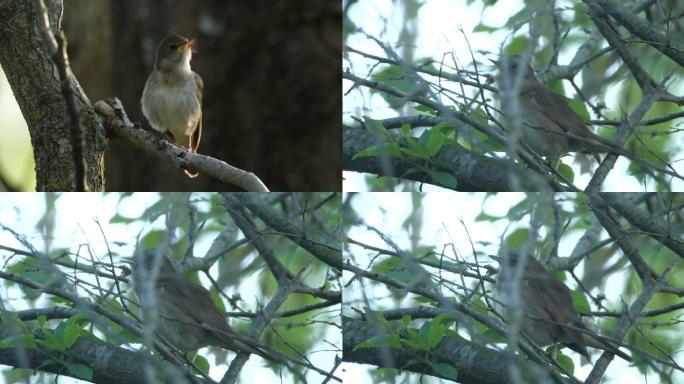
187,45
126,264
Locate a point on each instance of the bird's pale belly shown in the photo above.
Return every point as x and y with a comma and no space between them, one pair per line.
175,109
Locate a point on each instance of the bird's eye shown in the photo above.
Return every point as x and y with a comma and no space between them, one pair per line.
173,47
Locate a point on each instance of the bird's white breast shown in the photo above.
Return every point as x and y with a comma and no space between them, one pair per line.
172,106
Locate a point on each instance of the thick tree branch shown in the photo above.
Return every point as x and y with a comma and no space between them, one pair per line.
473,171
115,120
96,314
109,364
543,181
474,363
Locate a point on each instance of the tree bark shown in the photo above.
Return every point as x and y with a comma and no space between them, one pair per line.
37,88
475,363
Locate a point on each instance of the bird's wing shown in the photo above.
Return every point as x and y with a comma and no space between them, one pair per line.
197,135
199,86
199,296
557,109
553,298
208,315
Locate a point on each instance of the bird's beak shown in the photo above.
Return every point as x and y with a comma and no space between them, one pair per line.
497,258
128,260
496,62
187,45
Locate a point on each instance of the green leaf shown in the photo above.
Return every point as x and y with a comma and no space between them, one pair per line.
406,320
116,219
55,340
495,337
425,300
392,341
486,217
565,361
216,298
426,109
445,370
566,171
518,211
375,127
517,45
397,269
518,238
417,341
415,148
484,28
390,149
377,318
396,77
435,142
80,370
579,108
202,364
26,341
435,333
70,334
152,239
445,179
580,302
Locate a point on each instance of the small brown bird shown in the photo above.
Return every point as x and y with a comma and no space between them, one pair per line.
549,126
188,317
172,98
545,298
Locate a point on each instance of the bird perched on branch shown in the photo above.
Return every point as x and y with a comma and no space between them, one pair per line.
548,313
188,317
172,98
549,126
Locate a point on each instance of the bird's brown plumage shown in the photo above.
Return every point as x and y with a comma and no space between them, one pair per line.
550,127
549,314
188,317
172,98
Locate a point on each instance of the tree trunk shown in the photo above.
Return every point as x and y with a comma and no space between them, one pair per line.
37,88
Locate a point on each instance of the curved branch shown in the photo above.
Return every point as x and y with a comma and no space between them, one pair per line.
664,234
330,254
115,120
642,29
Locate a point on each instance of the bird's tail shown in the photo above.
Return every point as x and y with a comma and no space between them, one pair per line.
239,346
606,346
